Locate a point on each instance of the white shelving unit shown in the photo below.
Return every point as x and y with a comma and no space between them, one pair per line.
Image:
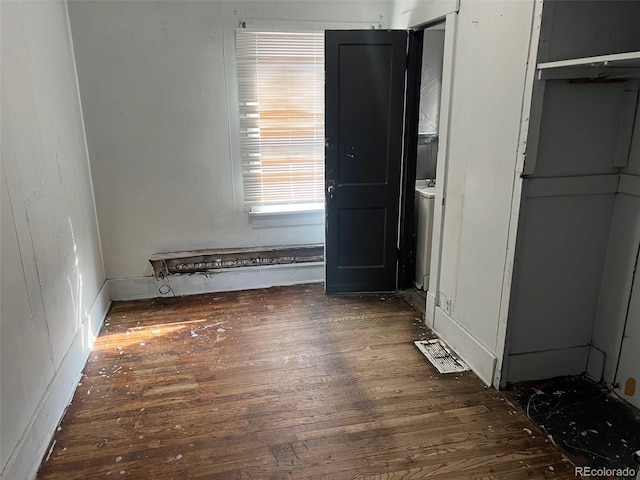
619,65
574,304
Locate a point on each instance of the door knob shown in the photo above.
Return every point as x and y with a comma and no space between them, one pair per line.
331,188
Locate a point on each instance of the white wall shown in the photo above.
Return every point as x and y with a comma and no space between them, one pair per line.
431,81
490,48
618,275
489,75
51,267
158,84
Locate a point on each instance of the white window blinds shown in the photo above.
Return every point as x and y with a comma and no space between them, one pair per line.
281,95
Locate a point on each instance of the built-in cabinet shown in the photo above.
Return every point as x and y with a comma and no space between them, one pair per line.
574,304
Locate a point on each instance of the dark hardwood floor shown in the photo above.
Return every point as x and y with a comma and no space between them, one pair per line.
285,383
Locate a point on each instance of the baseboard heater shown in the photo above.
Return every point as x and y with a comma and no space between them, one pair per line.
202,261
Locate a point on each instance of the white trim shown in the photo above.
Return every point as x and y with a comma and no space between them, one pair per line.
629,184
623,65
441,167
566,186
466,346
287,219
532,98
306,26
97,313
518,190
25,460
430,312
241,278
267,216
547,364
627,58
289,208
429,12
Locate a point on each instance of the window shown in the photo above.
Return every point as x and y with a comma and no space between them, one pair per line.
281,98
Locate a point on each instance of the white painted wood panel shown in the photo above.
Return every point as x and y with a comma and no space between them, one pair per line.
547,364
579,129
561,253
617,276
52,277
628,376
481,360
24,377
491,48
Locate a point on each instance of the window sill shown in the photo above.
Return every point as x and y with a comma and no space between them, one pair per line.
287,215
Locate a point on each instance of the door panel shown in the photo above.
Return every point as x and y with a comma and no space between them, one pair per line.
364,102
353,252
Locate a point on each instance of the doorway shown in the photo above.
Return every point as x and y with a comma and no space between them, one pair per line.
364,111
431,143
427,154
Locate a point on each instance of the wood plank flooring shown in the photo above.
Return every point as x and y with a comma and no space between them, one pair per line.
285,383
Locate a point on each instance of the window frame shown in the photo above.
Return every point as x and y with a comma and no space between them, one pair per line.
298,205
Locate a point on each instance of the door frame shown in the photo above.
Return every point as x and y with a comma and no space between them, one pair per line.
420,18
417,20
407,231
442,167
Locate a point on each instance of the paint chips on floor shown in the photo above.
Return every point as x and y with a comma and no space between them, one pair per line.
440,356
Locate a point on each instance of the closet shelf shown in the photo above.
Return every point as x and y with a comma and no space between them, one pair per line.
619,65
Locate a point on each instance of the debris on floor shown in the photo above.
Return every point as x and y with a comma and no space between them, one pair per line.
584,418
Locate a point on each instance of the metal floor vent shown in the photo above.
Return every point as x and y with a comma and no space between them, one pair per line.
440,356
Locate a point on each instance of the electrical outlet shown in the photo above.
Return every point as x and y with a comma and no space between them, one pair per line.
445,303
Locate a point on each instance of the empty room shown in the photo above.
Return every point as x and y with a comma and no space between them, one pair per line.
319,239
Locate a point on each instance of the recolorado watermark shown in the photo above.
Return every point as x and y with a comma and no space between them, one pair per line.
606,472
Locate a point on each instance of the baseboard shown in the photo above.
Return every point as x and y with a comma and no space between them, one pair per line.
430,315
25,460
229,279
547,364
481,360
98,312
